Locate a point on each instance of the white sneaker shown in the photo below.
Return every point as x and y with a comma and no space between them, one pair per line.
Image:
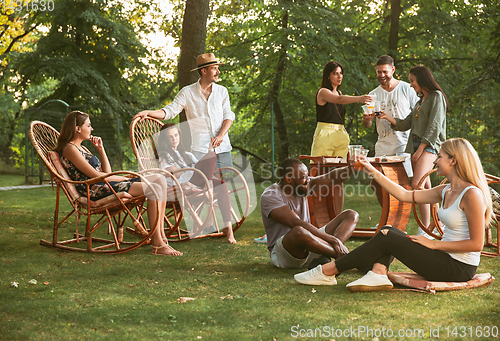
315,277
370,282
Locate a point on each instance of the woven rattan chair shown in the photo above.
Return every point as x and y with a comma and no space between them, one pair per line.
115,210
198,203
435,227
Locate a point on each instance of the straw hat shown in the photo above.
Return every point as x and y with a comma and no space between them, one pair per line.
205,60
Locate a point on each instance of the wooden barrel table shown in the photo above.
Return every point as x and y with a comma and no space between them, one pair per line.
394,212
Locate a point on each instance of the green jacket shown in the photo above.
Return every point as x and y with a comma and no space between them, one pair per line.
431,123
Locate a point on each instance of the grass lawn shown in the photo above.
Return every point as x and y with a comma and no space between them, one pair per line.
238,294
7,180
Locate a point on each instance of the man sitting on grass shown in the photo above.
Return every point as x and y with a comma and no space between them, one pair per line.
291,238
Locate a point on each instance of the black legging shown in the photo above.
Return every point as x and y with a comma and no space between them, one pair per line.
207,166
433,265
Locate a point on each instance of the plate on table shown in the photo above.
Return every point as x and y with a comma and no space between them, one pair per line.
335,160
396,158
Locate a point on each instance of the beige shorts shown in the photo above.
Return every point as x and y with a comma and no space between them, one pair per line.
282,259
330,140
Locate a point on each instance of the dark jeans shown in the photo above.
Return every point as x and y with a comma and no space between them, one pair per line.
433,265
207,166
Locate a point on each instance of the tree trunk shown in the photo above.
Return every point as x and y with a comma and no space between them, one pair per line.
194,35
275,91
394,30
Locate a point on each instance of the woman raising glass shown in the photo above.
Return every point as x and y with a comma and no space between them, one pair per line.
465,211
427,124
330,137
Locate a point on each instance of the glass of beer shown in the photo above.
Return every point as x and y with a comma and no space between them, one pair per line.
359,153
366,110
352,148
371,105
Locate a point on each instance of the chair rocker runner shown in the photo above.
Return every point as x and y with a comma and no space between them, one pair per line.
435,228
116,209
199,203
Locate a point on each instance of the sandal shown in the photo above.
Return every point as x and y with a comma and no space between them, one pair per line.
172,251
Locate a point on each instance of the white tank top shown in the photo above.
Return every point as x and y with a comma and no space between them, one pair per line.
457,228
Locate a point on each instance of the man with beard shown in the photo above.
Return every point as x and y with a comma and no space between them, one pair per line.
291,238
397,99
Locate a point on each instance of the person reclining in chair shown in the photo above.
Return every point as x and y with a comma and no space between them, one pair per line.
291,238
173,157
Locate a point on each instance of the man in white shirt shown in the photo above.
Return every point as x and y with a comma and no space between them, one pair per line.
208,111
397,99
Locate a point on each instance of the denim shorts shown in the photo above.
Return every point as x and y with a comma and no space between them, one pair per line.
417,141
223,159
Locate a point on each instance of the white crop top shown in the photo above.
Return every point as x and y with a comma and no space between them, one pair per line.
457,228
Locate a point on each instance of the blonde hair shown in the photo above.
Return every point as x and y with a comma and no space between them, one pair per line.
469,168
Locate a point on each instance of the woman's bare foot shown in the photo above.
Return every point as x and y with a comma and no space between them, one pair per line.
165,250
228,231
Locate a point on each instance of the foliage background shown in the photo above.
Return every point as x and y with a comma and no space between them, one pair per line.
97,54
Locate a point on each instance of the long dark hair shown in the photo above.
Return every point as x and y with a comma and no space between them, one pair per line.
68,130
329,68
166,147
426,80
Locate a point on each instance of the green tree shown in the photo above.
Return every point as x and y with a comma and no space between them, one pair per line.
274,52
456,40
93,53
475,113
89,49
17,30
277,52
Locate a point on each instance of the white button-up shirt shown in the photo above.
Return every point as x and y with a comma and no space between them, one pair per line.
204,116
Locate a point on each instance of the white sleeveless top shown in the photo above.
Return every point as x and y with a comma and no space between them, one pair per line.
457,228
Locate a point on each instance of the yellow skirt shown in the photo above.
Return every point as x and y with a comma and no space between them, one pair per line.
330,140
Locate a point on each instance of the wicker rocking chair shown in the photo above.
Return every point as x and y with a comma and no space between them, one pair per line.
198,203
116,209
